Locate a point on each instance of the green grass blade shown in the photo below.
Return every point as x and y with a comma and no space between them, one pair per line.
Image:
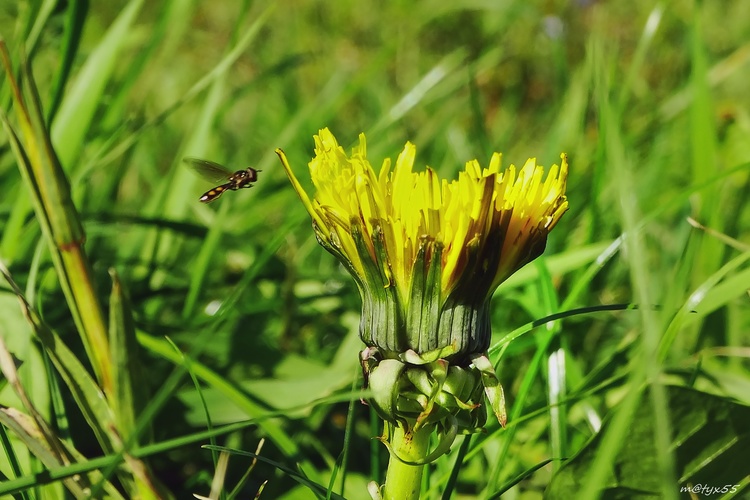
77,110
196,383
450,484
229,390
24,428
708,251
319,490
108,461
10,454
11,240
708,297
556,367
76,15
644,42
348,432
211,244
58,218
706,453
622,169
504,488
40,19
124,354
129,393
87,395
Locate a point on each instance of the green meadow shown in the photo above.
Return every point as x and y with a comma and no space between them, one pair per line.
154,346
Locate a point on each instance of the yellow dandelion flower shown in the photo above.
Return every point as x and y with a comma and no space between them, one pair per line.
428,253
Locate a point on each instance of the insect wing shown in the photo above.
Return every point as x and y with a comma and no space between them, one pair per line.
209,170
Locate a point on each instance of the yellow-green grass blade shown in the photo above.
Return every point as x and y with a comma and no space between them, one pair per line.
80,104
199,392
129,393
126,379
58,218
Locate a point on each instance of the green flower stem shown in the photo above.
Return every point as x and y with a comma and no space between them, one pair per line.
402,481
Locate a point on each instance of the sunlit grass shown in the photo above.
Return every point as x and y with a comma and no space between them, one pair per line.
649,103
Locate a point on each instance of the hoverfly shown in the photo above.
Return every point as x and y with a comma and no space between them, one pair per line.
218,173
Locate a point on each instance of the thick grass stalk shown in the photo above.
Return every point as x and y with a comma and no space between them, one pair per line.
404,481
58,218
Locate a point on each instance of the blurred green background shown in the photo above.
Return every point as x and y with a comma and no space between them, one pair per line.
649,100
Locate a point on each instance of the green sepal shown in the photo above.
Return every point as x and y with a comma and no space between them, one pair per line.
432,394
384,384
438,372
412,357
492,387
461,383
